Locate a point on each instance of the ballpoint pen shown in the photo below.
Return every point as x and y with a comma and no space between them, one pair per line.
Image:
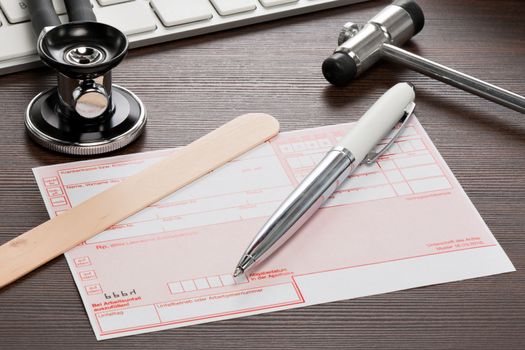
395,106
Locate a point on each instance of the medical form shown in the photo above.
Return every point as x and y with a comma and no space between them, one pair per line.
399,223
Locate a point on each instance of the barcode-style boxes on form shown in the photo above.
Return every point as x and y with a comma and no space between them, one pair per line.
205,283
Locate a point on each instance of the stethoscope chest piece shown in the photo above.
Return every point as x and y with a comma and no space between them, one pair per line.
85,114
47,126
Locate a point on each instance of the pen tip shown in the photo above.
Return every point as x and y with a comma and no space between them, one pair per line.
238,271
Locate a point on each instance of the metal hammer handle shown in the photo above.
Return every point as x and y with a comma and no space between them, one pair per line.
453,77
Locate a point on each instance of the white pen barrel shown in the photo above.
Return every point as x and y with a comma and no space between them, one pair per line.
378,121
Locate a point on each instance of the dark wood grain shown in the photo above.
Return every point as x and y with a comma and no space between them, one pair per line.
194,85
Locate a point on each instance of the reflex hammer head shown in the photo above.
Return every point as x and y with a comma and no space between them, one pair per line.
360,48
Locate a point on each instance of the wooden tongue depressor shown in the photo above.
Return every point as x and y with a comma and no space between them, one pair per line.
56,236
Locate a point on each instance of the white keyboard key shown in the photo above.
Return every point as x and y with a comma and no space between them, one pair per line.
17,40
130,17
230,7
110,2
176,12
16,10
270,3
60,7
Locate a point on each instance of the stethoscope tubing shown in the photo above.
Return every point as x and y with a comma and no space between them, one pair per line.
42,13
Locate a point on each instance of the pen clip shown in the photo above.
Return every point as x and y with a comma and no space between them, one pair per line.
409,111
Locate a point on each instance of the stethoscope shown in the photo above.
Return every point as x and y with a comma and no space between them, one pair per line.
85,113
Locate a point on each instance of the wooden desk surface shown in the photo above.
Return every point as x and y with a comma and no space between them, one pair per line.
192,86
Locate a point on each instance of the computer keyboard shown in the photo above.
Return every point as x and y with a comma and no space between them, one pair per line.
147,22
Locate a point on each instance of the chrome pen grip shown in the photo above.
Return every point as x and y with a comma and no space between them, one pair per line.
302,203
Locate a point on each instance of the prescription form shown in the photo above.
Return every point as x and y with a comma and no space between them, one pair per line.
400,223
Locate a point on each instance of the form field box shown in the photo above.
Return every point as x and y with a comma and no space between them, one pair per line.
188,285
223,304
202,283
175,287
214,281
127,318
